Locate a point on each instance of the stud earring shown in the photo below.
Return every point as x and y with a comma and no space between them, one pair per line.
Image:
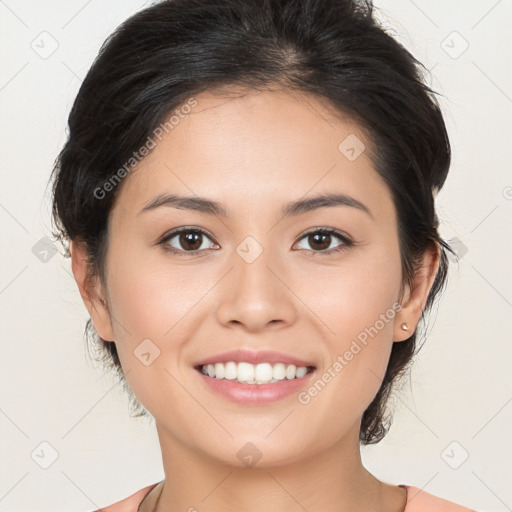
405,327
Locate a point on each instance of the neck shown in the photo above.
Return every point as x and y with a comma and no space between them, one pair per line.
337,476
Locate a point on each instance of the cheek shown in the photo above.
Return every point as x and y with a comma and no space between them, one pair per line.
151,298
352,296
357,305
152,306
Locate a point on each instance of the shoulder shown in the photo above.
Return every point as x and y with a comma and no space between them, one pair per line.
129,504
422,501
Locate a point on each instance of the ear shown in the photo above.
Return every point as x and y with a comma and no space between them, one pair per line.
415,298
90,291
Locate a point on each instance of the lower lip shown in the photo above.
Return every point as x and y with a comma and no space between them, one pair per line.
256,393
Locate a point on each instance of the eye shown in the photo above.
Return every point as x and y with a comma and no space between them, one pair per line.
322,238
190,239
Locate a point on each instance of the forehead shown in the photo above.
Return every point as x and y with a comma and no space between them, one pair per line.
252,148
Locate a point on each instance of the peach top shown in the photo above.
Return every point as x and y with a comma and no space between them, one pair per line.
417,501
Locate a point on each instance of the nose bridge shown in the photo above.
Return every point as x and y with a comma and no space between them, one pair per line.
253,263
254,295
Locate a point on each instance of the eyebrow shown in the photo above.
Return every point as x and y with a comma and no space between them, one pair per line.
209,207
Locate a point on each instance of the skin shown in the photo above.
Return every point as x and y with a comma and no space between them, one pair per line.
254,154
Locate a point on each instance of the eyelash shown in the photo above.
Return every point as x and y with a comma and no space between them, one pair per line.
347,242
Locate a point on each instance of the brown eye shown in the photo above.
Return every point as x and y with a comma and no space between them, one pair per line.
320,241
190,240
185,240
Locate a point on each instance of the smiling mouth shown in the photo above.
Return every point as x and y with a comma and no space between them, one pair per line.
247,373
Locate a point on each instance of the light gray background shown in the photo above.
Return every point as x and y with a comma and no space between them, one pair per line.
461,389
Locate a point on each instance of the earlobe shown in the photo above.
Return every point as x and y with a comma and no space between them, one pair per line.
90,291
413,306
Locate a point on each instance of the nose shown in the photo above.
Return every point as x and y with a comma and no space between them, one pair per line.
255,294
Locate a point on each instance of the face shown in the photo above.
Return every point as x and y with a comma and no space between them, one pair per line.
257,278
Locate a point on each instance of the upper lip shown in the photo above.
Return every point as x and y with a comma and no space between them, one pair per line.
254,357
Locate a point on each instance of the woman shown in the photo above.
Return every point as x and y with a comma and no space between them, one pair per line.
248,191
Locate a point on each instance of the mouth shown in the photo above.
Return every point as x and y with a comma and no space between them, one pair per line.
254,374
259,384
249,377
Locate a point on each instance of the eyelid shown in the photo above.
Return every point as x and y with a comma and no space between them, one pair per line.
331,231
173,232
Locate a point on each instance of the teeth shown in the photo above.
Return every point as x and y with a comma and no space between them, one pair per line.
262,373
219,371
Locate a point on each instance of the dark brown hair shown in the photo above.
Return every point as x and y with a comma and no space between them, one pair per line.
332,49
